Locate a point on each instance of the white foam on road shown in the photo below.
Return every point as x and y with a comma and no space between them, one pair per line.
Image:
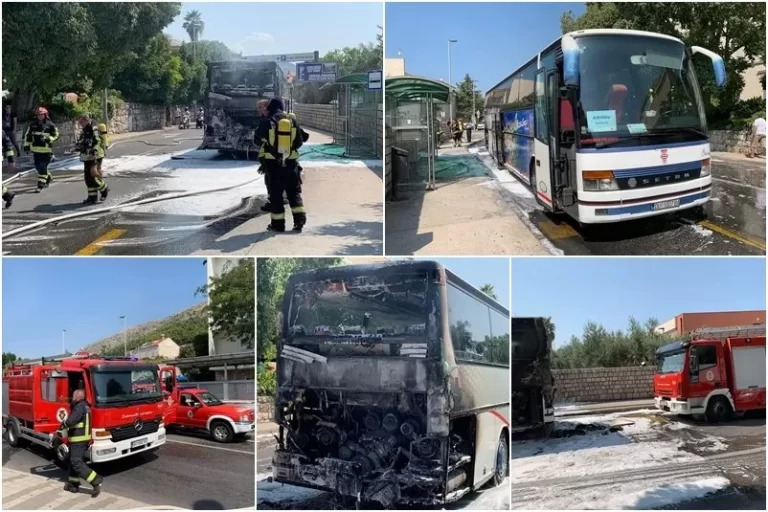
285,494
491,498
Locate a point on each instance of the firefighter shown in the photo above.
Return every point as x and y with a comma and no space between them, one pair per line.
105,143
39,139
91,150
77,428
281,143
8,154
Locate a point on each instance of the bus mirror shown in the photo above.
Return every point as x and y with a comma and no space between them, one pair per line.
571,54
169,383
718,66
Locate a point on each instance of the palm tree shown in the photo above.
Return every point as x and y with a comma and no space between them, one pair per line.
489,291
195,26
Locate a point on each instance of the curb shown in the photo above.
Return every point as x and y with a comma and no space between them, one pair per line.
605,410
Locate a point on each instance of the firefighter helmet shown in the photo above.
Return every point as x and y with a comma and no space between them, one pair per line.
42,111
103,128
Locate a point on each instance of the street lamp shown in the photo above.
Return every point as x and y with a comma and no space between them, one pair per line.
63,346
125,336
450,99
474,112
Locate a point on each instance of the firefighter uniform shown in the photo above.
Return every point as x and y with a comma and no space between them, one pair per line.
39,139
78,430
280,145
8,154
91,152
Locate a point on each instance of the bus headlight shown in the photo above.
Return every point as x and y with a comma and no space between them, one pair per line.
596,181
706,167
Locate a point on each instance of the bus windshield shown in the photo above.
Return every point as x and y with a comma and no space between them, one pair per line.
124,387
356,315
637,90
670,362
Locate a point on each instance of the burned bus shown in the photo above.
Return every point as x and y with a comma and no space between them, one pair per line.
235,86
392,384
532,382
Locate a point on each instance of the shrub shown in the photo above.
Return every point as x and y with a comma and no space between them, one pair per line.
266,382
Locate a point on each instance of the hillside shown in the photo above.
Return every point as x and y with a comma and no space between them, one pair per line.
184,328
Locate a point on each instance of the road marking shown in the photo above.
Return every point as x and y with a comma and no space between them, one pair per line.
732,234
211,447
95,246
557,231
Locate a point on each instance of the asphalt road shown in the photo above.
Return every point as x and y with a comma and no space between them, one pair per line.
187,471
734,220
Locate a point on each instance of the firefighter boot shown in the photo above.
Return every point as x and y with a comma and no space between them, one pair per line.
96,486
72,487
104,194
8,198
48,180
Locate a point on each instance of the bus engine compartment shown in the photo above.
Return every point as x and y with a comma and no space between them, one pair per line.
372,446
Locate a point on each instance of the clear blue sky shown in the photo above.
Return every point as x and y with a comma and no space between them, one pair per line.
480,271
87,296
608,291
267,28
493,38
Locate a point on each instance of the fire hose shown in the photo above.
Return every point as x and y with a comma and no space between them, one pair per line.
86,213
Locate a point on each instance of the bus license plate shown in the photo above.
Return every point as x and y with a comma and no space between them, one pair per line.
138,443
666,205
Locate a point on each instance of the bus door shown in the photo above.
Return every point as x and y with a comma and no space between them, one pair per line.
542,165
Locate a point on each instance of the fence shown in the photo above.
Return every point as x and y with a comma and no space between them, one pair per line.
233,390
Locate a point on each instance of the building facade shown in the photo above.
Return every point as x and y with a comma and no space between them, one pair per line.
686,323
164,347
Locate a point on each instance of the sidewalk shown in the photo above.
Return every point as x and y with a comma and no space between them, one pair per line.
24,491
603,407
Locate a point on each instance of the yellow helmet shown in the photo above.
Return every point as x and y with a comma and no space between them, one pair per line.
102,127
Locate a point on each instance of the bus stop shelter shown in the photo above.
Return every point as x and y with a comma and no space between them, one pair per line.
355,118
412,104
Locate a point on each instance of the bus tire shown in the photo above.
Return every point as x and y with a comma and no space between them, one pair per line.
501,469
13,433
222,432
719,409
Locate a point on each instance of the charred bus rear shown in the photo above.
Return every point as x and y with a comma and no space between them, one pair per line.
392,384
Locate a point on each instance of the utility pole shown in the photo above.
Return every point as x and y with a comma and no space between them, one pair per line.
125,336
63,345
105,106
450,84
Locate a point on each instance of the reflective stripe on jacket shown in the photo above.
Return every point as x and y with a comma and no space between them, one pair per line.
39,137
79,423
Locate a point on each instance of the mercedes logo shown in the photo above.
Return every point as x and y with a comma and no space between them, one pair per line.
137,424
632,182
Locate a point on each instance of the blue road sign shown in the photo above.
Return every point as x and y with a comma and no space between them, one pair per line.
317,71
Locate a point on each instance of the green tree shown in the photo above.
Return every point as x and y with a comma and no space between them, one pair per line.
271,277
489,291
84,42
194,25
736,32
154,75
465,90
232,302
9,357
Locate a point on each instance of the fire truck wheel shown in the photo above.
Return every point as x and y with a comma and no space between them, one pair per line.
13,432
719,409
501,471
221,432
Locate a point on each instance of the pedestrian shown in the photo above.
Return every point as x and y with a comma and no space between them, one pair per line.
468,128
91,150
39,139
456,133
10,125
758,137
78,430
9,156
105,143
281,143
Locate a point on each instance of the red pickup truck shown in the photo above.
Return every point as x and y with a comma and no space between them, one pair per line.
191,408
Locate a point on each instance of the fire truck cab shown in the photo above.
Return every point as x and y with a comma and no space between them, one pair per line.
713,377
125,397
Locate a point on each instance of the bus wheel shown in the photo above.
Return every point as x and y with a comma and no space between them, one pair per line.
719,409
221,432
501,471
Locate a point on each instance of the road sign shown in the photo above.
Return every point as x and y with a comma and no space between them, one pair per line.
285,57
317,72
374,80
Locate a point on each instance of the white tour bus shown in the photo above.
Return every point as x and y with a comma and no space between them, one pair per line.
606,125
393,384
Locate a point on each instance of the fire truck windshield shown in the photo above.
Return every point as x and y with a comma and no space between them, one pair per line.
125,386
209,399
670,362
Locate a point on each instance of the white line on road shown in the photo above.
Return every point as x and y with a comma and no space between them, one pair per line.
211,447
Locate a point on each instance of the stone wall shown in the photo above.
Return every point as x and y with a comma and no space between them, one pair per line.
603,384
265,409
137,117
319,117
730,141
367,124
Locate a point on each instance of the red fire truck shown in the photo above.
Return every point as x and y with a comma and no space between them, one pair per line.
125,395
712,376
